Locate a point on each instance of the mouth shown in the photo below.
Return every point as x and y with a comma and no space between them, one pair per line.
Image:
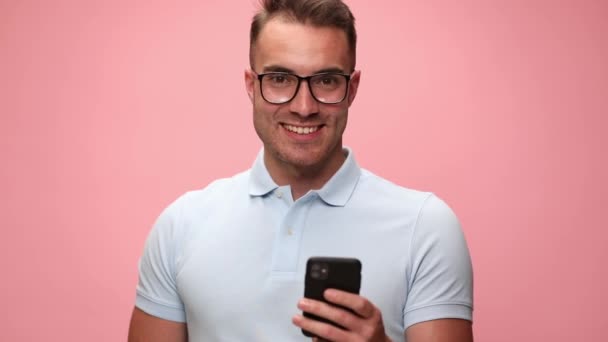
302,130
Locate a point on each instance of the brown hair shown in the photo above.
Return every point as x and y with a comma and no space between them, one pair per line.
321,13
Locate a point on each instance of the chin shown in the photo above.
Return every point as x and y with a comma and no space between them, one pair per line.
303,162
304,159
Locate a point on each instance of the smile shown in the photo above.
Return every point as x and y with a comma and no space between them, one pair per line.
301,130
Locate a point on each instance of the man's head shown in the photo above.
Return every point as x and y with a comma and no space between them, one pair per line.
301,83
319,13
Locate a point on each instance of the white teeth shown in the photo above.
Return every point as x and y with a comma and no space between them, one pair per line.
301,130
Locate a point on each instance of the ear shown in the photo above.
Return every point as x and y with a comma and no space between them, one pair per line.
354,86
250,84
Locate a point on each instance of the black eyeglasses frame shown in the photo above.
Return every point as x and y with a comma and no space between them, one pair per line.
304,78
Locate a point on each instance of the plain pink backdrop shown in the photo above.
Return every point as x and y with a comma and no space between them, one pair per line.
111,109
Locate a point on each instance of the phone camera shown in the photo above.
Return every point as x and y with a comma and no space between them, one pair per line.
319,271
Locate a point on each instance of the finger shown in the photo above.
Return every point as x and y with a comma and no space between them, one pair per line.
360,305
324,331
340,316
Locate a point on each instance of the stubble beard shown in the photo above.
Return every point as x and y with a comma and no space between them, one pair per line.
306,159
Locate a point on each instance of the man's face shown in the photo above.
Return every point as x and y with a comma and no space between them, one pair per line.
303,50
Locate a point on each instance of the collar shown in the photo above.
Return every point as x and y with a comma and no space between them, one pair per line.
260,182
336,192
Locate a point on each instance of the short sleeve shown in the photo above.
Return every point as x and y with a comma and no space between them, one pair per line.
440,274
157,292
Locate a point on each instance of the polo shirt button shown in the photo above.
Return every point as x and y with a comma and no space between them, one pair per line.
278,193
289,231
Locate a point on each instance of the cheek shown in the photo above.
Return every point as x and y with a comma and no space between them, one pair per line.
263,113
341,121
339,116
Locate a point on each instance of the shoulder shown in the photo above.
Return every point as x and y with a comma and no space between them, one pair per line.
215,192
193,206
423,209
373,188
370,182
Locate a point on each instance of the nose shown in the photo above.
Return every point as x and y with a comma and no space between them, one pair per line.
304,104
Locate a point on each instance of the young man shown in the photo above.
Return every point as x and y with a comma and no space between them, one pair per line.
227,263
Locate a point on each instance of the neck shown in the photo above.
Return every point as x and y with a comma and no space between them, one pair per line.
304,178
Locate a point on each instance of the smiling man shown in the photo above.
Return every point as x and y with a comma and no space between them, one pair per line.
227,263
301,120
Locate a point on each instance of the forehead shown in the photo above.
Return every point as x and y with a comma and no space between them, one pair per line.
302,48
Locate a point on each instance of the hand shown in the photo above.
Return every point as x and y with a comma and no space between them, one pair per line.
364,325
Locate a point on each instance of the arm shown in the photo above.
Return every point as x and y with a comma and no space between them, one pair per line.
441,330
159,314
148,328
439,302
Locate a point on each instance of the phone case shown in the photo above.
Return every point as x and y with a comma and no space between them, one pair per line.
330,272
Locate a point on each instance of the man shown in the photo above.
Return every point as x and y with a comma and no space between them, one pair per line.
227,263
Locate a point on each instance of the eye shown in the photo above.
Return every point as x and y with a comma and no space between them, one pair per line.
279,79
328,81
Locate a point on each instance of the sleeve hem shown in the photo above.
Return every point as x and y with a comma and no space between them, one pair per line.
429,313
160,310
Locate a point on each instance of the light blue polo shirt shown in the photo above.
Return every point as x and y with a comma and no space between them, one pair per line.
230,259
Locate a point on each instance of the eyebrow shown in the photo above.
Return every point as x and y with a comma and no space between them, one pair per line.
278,68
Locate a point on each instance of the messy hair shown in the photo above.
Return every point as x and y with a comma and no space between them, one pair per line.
320,13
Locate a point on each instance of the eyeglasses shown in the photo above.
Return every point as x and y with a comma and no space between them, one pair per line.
282,87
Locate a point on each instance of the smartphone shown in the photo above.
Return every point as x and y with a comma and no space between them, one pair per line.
330,273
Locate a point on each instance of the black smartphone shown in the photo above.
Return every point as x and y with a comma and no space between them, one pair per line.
330,273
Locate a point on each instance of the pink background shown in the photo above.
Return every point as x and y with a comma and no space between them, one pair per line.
111,109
